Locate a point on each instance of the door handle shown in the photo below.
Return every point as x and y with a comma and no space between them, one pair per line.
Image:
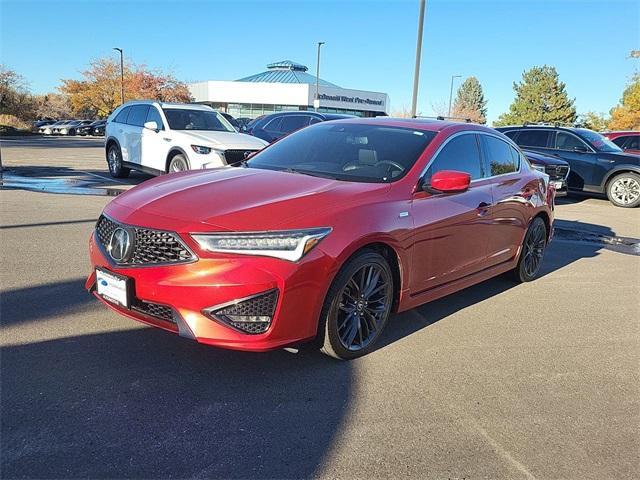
483,208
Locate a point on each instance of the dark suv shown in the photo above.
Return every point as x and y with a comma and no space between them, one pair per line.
597,164
274,126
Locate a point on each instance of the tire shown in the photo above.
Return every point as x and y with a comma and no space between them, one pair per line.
624,190
178,163
532,252
350,324
114,161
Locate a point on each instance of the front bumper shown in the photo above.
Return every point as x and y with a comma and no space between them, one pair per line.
190,289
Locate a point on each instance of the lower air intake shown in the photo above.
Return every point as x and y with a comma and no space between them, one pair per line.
250,315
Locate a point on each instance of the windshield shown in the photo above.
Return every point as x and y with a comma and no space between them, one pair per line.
599,142
346,151
185,119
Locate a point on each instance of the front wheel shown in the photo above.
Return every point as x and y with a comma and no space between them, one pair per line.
114,160
624,190
178,163
357,306
532,252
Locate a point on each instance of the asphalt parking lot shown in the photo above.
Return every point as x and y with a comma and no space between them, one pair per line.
539,380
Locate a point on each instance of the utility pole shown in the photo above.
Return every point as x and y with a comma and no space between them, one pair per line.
416,73
316,103
451,92
121,74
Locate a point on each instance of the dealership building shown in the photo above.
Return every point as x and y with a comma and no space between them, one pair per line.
285,86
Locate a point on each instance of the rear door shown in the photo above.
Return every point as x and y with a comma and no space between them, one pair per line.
451,230
510,192
133,136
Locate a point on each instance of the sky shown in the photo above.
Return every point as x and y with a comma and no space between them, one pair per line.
370,44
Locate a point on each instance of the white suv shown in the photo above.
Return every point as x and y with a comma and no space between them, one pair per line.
157,137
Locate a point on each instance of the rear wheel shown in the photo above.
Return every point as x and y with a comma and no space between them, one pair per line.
357,306
178,163
114,160
532,253
624,190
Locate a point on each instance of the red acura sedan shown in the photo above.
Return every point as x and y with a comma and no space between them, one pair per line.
323,234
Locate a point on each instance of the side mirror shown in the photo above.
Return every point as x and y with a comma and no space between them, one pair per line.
151,126
448,181
580,149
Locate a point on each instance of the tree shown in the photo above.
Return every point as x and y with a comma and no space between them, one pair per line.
626,116
540,97
470,102
98,93
15,99
593,121
53,105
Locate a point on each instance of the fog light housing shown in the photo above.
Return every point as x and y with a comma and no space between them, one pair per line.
251,315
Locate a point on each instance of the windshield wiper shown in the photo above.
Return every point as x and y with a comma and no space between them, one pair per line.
310,173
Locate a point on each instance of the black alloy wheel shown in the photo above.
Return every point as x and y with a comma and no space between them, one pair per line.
533,248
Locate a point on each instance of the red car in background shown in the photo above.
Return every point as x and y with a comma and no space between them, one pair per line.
628,141
323,234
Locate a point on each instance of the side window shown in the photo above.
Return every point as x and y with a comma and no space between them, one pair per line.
566,141
511,134
620,141
273,126
460,154
122,116
501,157
533,138
633,142
138,115
154,116
291,123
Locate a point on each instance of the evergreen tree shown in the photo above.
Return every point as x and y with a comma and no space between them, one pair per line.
540,97
470,102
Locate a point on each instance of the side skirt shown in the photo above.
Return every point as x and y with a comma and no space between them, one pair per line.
142,168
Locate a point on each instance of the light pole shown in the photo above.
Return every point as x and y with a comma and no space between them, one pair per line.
121,74
416,72
316,104
451,92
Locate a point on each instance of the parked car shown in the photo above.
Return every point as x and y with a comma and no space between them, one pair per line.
557,169
597,164
98,130
274,126
158,137
628,141
88,128
41,123
72,128
323,234
243,122
231,120
48,129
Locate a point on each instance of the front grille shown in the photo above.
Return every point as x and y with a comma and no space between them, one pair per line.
155,310
557,172
149,246
252,315
234,157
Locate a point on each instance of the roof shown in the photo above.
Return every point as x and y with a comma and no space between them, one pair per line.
417,123
286,71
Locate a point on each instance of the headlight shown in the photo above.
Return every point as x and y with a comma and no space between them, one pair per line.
540,168
289,245
201,150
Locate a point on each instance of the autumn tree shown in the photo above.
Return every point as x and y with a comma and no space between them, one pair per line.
470,102
98,92
52,105
626,115
15,98
540,97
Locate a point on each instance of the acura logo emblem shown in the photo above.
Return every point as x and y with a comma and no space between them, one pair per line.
120,245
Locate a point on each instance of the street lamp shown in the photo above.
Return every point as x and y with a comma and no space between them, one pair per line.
316,103
416,72
451,92
121,74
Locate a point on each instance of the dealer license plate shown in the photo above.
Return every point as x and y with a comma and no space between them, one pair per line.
113,287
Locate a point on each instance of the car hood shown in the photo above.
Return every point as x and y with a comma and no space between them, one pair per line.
222,140
238,199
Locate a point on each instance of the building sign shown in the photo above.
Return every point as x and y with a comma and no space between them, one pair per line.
353,100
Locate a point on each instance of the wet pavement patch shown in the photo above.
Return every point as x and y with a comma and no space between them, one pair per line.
627,245
64,185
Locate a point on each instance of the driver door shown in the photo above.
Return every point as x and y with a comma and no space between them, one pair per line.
155,143
451,229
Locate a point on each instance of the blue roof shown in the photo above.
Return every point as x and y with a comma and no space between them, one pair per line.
286,71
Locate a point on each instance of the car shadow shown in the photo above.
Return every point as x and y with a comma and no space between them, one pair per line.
89,176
